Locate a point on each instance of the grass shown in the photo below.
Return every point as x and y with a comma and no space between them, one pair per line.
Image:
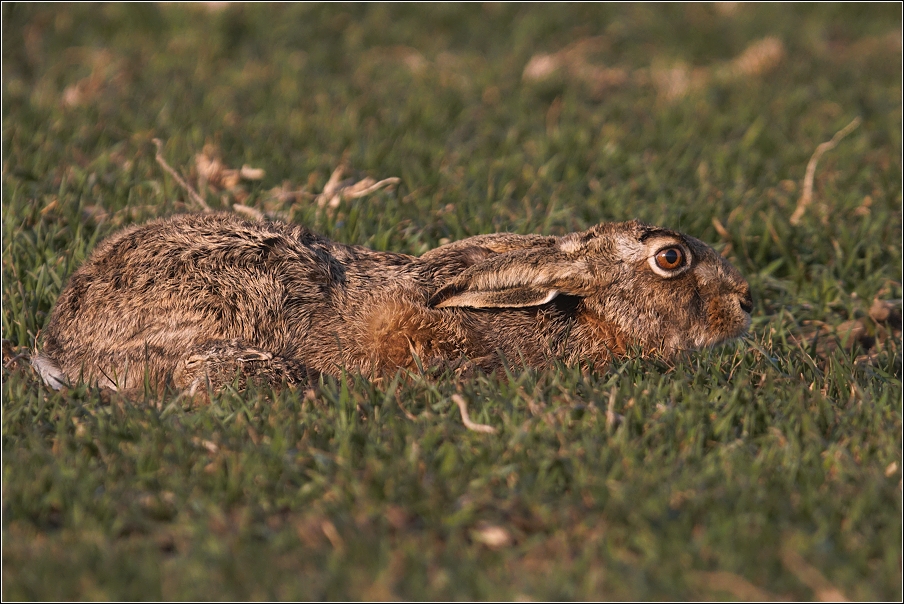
770,468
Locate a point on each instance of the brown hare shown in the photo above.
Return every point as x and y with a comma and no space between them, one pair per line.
195,300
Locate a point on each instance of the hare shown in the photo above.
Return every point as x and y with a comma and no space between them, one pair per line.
193,301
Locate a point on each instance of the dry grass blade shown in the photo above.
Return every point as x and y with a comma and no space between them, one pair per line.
580,62
736,585
368,186
191,192
336,190
807,195
491,535
328,196
811,577
252,213
725,235
329,530
466,419
760,57
610,411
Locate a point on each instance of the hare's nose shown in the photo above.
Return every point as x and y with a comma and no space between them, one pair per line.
746,300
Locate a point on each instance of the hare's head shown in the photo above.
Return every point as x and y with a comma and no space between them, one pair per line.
658,288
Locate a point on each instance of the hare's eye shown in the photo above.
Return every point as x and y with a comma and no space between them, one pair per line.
670,258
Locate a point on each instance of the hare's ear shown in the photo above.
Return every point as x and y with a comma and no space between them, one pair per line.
515,280
512,297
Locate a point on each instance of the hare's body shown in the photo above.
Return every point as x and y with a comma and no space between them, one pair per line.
195,299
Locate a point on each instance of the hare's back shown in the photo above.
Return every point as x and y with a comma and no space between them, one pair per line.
171,283
198,260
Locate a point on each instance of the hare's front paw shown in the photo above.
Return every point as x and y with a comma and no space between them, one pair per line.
210,366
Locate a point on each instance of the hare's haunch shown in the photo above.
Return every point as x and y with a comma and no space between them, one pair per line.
195,300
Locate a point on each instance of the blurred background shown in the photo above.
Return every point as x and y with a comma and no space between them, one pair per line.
495,116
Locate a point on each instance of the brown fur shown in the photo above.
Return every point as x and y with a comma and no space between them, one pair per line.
194,300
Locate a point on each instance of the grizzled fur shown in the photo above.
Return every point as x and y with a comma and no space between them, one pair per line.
194,300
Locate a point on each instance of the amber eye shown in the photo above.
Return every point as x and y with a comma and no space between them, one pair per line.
670,258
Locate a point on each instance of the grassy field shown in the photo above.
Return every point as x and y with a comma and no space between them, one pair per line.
770,468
